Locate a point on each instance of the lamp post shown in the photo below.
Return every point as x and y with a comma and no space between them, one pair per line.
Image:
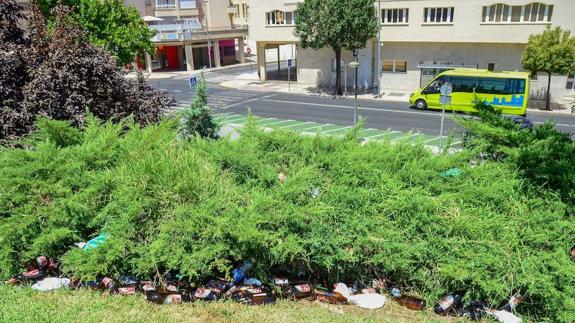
355,65
378,48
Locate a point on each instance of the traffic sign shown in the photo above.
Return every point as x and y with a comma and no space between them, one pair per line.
290,62
445,100
248,50
355,53
446,89
193,81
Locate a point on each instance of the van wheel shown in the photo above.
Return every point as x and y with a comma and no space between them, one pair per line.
420,105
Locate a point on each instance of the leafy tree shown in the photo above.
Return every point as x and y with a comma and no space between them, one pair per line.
553,51
59,74
110,24
196,120
339,24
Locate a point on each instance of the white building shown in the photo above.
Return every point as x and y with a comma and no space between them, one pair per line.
421,38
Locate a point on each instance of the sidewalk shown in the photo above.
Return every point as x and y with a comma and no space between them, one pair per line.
182,74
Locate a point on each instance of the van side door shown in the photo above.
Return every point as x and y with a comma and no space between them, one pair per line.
432,92
463,92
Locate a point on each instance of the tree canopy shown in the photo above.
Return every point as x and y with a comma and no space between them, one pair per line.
339,24
110,24
551,52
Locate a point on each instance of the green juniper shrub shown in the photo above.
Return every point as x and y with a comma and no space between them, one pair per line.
544,156
200,207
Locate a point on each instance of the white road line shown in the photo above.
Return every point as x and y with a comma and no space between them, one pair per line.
351,107
235,119
177,91
436,138
375,136
456,143
248,101
334,130
401,138
295,125
266,120
313,127
274,123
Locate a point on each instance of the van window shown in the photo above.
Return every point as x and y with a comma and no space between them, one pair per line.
501,86
435,86
463,83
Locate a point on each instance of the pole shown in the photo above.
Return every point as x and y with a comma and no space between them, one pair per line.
355,108
378,48
441,128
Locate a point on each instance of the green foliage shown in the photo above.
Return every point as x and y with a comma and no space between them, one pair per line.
339,24
197,120
110,24
551,52
202,207
544,157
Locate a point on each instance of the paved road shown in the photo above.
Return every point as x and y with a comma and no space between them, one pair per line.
379,114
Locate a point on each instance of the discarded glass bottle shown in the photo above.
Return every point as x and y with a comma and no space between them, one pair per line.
512,303
204,294
177,298
297,291
411,302
110,285
448,303
263,298
475,310
323,295
239,273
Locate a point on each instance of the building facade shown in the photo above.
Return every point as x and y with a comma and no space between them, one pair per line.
192,34
421,38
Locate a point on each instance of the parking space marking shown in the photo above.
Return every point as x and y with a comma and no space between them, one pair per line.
295,125
334,130
274,123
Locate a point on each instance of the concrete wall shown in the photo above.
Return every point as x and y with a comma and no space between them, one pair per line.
505,56
259,31
467,22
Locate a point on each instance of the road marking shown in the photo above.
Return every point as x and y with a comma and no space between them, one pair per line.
235,119
351,107
274,123
436,138
177,91
248,101
296,125
336,129
382,134
409,136
312,127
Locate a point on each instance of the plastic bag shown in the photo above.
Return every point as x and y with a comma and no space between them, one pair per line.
52,283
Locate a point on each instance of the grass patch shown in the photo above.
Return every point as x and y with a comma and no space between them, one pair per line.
20,304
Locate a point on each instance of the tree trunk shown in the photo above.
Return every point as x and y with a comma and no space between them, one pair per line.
548,96
338,71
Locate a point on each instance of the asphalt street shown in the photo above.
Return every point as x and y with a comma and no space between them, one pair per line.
324,109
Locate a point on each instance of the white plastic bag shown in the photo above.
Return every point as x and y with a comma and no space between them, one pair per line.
51,283
368,301
506,317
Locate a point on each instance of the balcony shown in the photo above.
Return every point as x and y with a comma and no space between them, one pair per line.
166,4
192,29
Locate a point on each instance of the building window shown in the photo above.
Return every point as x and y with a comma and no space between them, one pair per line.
531,13
394,66
166,4
278,17
438,15
395,16
188,4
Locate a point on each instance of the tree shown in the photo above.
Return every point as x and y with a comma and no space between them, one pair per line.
339,24
57,73
197,120
552,52
110,24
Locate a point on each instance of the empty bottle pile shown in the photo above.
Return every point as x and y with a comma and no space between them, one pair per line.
44,274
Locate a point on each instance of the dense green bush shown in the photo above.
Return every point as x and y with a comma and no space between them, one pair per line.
200,207
544,156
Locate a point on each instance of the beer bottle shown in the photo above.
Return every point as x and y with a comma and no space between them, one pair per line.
449,302
263,298
323,295
413,303
154,297
512,303
110,285
475,311
297,291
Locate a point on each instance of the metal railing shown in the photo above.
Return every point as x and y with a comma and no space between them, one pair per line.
166,4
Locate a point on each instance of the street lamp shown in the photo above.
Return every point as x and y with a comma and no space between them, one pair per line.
355,65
